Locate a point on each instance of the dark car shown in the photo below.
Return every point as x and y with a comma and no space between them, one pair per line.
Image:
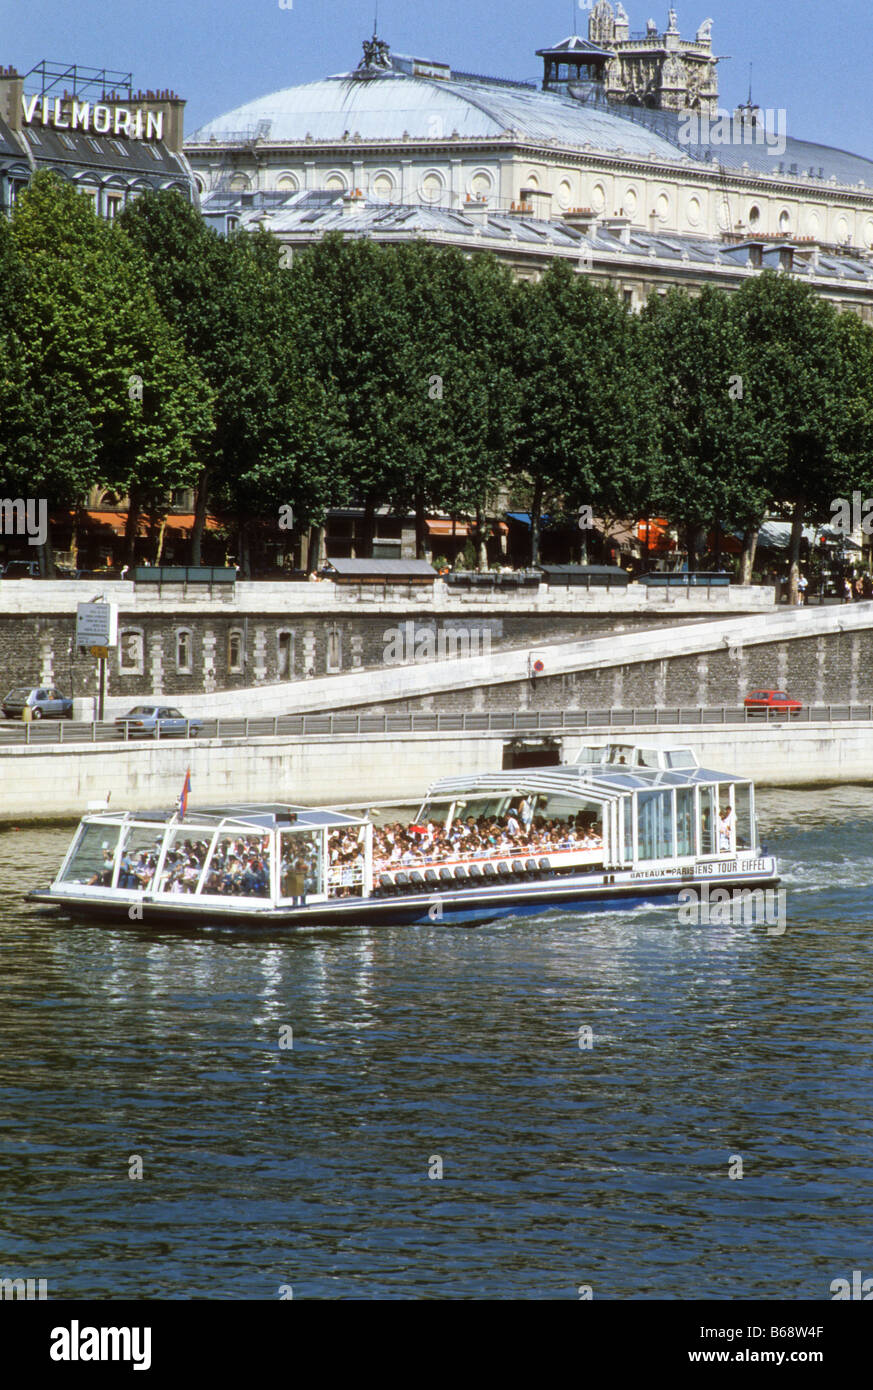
21,569
145,719
44,702
774,700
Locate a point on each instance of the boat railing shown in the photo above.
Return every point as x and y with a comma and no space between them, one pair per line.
345,880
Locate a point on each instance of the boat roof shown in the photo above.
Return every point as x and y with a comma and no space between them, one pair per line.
245,815
608,781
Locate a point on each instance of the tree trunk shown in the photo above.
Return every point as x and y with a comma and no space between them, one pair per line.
535,508
316,546
131,526
796,537
481,542
159,548
747,559
369,528
243,558
74,540
201,500
420,527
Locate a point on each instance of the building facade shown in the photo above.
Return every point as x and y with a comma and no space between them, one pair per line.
92,128
622,139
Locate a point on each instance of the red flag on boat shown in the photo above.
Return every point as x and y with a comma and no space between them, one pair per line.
183,799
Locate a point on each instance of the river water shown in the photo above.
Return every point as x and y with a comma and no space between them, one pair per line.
314,1167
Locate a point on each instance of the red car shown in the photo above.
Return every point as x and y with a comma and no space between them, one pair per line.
772,700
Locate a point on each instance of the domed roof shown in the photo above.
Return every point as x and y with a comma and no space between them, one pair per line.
386,106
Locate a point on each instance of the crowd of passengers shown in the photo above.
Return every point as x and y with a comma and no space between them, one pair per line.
480,837
238,867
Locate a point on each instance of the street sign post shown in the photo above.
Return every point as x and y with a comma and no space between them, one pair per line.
97,625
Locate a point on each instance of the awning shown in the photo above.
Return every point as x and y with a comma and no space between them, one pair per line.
174,521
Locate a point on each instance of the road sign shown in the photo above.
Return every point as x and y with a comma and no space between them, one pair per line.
100,651
97,624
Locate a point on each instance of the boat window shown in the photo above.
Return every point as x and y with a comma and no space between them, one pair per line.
139,856
680,757
708,820
685,821
655,825
743,813
183,864
346,863
626,809
93,860
621,753
239,867
648,757
589,755
301,864
726,820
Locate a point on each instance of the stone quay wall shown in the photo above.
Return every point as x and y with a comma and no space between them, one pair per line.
179,643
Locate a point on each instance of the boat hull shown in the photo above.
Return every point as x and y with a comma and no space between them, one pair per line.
452,906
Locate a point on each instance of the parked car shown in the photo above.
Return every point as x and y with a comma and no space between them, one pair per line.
145,719
45,702
776,700
20,569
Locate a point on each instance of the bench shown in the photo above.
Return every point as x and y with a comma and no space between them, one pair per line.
698,579
185,574
586,576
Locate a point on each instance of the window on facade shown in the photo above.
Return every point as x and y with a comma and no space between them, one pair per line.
183,650
33,137
131,651
334,650
95,145
66,140
155,153
235,650
117,145
114,202
285,655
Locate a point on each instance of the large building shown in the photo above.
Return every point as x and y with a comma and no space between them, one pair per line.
620,160
90,127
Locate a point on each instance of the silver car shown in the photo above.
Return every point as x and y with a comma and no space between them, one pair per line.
147,719
44,702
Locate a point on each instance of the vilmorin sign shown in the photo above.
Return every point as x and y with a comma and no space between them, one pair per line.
96,118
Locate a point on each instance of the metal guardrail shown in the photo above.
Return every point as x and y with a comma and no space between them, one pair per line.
44,732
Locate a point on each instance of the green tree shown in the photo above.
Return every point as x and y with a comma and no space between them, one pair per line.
230,300
575,369
95,340
792,365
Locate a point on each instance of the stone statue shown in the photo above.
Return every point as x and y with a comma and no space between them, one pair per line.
377,55
704,33
651,28
621,14
673,23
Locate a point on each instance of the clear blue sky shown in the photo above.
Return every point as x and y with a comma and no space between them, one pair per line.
812,58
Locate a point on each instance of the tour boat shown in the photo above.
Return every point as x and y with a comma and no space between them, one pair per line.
622,826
